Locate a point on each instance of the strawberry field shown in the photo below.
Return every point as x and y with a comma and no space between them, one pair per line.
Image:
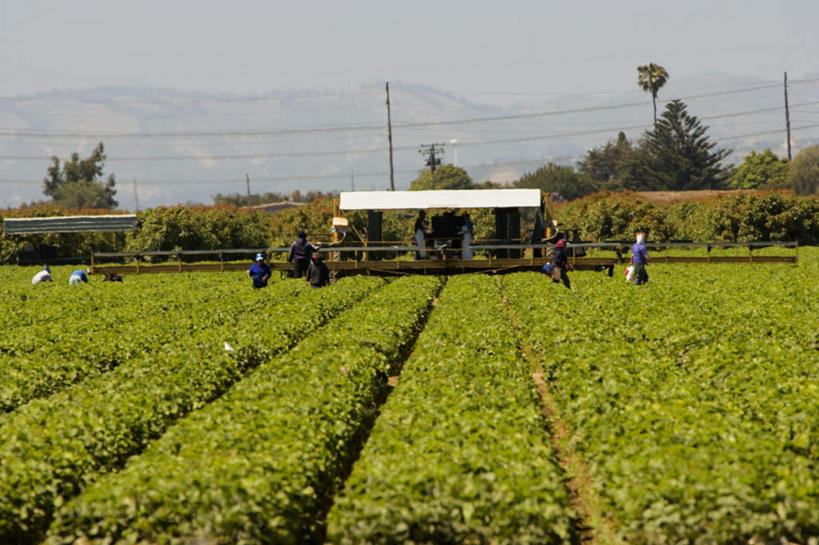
189,408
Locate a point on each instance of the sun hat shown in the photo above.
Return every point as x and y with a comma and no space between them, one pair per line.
259,257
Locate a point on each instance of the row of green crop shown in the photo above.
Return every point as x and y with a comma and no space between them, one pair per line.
459,453
693,399
60,304
40,360
260,464
53,447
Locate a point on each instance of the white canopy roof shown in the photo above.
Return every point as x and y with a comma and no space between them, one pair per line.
441,198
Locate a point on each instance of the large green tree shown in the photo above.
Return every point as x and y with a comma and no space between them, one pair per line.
804,172
563,180
609,166
677,155
651,78
77,183
761,171
446,177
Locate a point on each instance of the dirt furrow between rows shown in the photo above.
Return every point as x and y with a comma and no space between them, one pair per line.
594,528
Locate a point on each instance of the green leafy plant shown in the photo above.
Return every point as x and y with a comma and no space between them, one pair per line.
53,447
459,453
261,464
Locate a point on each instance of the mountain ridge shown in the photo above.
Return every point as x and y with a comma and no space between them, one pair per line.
185,146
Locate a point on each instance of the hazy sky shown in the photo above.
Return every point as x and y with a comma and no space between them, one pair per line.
471,47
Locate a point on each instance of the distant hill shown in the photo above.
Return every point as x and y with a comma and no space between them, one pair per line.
332,140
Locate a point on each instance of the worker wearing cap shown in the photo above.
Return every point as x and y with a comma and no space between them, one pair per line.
259,272
42,276
77,277
299,255
560,263
318,274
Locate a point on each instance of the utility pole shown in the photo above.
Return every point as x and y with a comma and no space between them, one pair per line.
389,137
136,195
787,117
352,181
247,181
433,154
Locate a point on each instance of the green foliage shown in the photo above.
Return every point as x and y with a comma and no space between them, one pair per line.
761,171
701,429
620,216
733,218
459,453
563,180
77,182
52,447
610,166
677,154
198,228
98,331
239,199
804,172
760,216
446,177
315,219
84,194
651,78
259,464
698,429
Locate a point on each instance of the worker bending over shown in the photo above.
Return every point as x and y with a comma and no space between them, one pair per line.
77,277
318,274
42,276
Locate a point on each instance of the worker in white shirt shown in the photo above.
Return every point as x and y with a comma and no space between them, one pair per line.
42,276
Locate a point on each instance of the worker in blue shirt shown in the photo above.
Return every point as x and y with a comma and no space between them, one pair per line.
639,259
259,272
77,277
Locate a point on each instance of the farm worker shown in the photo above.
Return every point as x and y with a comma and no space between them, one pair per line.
300,252
560,263
77,277
639,258
420,227
42,276
318,274
259,272
466,233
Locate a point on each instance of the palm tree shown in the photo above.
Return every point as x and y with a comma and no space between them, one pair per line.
651,77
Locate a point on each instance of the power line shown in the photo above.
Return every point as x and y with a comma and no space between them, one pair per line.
352,128
385,173
466,143
627,91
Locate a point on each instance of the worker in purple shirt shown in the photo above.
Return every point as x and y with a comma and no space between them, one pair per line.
259,272
639,259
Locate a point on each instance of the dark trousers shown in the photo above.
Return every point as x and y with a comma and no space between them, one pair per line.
300,266
640,274
563,276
